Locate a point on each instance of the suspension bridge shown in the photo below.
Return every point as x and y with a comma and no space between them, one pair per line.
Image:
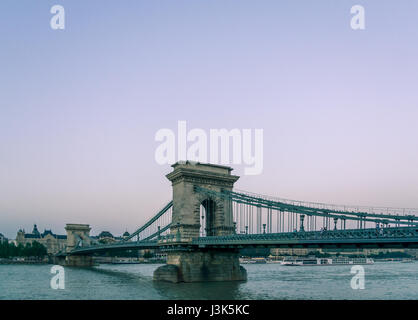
207,222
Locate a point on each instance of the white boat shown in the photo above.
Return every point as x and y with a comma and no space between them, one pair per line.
326,261
291,263
246,261
274,261
252,260
407,261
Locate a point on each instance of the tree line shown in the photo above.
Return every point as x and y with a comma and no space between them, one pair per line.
34,249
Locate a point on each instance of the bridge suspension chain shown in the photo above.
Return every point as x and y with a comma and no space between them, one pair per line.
269,221
157,226
274,216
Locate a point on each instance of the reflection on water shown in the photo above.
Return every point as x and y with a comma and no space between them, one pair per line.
265,281
210,290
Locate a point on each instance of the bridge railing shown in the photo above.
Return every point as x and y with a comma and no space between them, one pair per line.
333,235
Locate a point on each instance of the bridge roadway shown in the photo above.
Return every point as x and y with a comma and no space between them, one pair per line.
401,237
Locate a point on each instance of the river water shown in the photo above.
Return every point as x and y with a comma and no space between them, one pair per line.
384,280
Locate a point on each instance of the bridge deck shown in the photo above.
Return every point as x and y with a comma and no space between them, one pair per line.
387,238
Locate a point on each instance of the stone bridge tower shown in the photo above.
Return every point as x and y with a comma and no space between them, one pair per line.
77,234
201,264
218,219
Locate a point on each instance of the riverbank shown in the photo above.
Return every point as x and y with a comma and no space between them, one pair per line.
23,261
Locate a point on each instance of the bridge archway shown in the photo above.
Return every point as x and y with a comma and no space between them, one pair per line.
207,217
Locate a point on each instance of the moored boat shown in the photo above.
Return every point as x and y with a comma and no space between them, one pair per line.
326,261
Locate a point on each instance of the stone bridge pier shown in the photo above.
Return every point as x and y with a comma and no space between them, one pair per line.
76,234
194,215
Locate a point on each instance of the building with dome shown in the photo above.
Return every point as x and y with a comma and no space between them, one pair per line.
106,237
125,235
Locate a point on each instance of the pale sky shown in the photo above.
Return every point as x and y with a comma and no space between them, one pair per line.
79,108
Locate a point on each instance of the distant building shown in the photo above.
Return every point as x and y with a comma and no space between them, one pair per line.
289,251
125,235
106,237
53,243
3,238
